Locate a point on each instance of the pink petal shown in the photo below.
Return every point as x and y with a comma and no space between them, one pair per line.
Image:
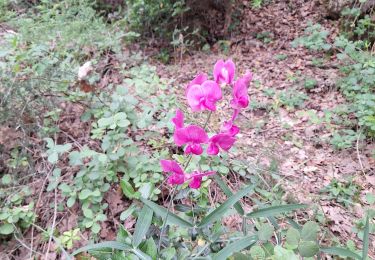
212,90
195,95
240,94
196,134
224,71
171,167
198,80
178,120
231,68
217,70
212,149
230,128
224,141
195,183
176,179
194,149
190,134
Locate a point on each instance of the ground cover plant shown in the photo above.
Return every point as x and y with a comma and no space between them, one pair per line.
122,137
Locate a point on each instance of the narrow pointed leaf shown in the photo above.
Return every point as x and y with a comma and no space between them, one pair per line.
275,210
108,244
142,225
141,255
340,252
220,211
235,247
229,193
366,232
163,212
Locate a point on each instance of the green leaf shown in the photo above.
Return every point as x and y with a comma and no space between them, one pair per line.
127,189
108,244
141,255
234,247
265,232
53,157
257,252
309,231
125,214
308,248
163,212
240,256
104,122
292,237
88,213
6,229
340,252
284,254
84,194
6,179
366,232
95,228
142,225
150,248
274,210
220,211
228,193
70,202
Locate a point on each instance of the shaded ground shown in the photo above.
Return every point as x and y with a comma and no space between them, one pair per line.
269,130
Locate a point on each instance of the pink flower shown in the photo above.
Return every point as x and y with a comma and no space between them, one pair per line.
204,96
178,176
222,140
198,80
230,128
196,178
178,120
193,136
240,95
224,71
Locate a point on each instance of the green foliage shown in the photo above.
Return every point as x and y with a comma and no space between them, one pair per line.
343,192
291,99
315,38
343,139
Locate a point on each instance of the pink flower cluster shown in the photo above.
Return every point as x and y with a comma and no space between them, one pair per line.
203,94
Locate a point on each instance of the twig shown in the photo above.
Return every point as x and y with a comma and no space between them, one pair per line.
358,155
26,246
53,226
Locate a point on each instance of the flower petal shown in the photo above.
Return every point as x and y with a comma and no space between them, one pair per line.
219,65
230,128
178,120
195,182
212,90
176,179
196,134
194,149
223,140
231,68
198,80
212,149
195,95
171,167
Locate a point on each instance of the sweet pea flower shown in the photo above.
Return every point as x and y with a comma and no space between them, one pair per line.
219,141
178,120
204,96
193,136
198,80
196,178
230,128
224,71
178,176
240,95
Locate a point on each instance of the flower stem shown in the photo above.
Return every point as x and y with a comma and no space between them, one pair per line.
166,219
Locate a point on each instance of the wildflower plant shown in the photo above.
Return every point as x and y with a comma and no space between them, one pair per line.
203,94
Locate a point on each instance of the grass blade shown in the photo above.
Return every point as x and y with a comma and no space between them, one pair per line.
235,247
274,210
108,244
142,225
220,211
162,212
340,252
366,232
229,193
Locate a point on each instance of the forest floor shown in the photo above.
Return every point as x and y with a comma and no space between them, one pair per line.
287,127
272,131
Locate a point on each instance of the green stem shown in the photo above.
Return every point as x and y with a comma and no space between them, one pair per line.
174,189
